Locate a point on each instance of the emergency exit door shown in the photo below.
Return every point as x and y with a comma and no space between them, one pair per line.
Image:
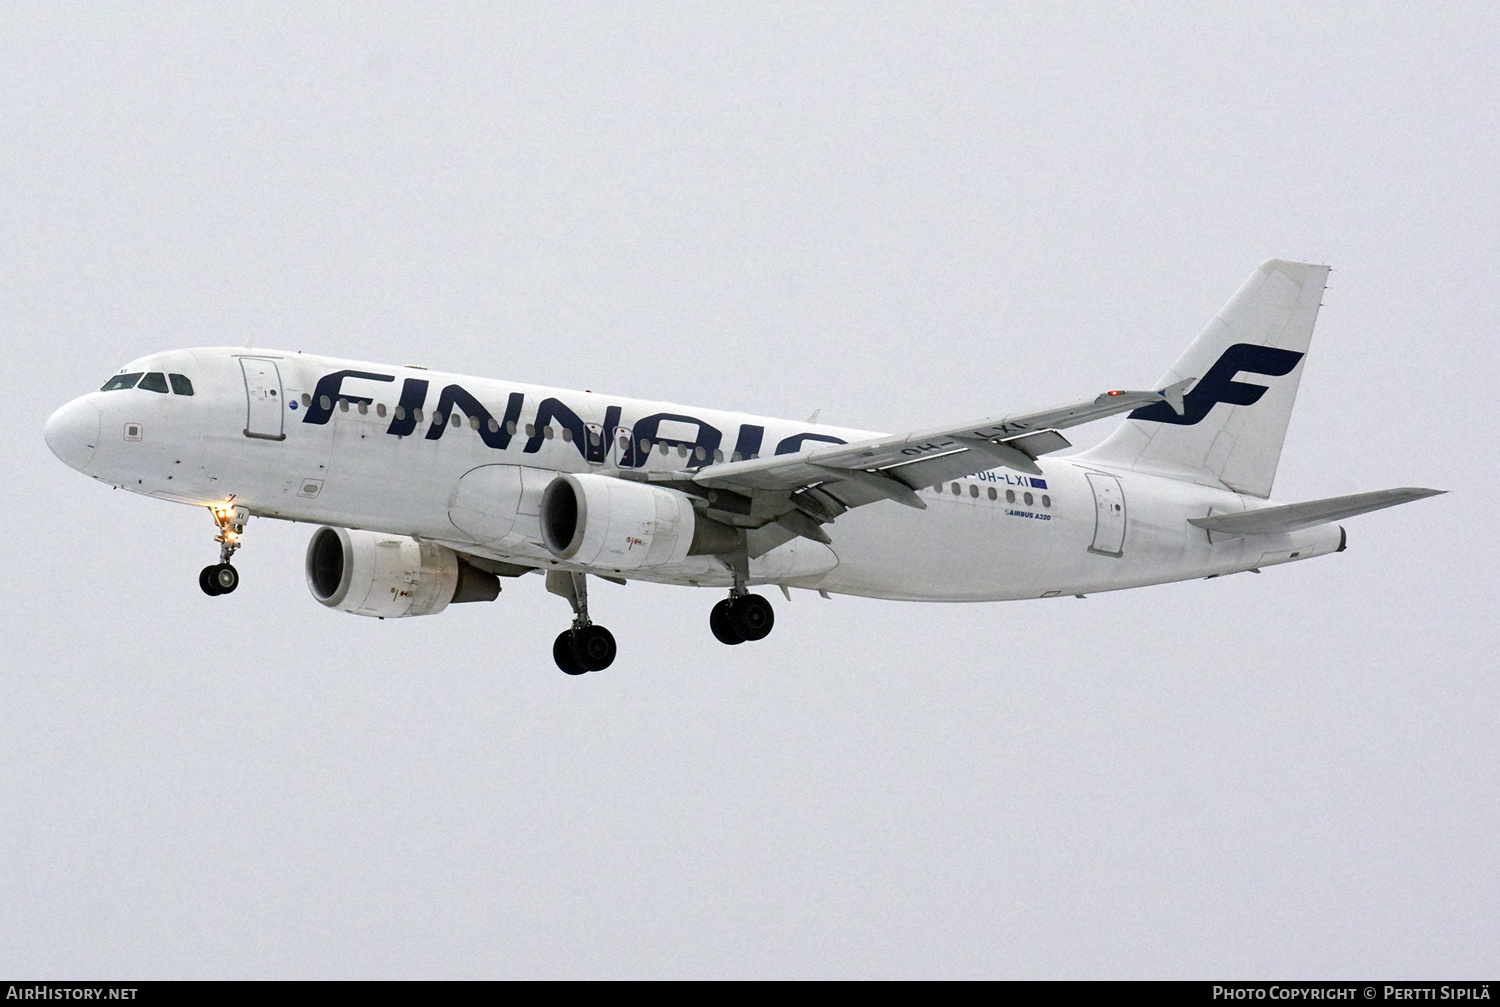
619,447
1109,515
263,394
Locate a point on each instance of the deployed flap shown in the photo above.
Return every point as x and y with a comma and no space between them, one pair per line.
1294,517
1043,442
923,458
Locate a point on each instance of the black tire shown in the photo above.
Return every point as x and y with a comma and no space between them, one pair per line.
723,629
751,616
208,583
562,653
594,647
226,578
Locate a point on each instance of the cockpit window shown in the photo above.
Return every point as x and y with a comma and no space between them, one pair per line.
180,384
120,381
154,381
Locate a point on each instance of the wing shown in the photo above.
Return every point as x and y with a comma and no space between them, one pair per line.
927,456
801,491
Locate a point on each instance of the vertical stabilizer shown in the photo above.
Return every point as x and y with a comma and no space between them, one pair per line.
1247,365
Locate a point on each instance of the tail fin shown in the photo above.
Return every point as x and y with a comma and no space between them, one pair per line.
1230,431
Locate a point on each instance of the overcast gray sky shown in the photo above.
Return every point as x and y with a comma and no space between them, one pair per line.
899,215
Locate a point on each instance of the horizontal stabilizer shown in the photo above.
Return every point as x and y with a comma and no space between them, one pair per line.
1294,517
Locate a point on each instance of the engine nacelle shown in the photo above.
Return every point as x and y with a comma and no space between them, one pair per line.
600,521
390,576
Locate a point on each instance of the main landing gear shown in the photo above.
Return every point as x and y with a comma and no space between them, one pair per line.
221,578
586,647
741,617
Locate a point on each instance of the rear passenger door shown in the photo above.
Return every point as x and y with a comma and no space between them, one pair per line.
1109,515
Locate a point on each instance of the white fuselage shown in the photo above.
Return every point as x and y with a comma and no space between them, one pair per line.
268,442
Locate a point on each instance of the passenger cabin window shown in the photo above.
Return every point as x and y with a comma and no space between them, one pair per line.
180,384
154,381
120,381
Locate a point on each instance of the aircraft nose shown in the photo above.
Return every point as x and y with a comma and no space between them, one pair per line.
73,433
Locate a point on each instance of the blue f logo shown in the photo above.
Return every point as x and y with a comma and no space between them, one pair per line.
1218,385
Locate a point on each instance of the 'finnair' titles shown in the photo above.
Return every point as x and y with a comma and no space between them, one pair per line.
432,489
458,404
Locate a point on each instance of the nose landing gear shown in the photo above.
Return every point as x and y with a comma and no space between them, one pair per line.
221,578
586,647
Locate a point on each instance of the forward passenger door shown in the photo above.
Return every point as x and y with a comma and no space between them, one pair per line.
263,394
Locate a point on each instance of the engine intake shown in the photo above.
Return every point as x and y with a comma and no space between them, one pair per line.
600,521
390,576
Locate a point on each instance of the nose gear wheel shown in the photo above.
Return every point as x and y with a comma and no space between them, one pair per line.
222,578
218,578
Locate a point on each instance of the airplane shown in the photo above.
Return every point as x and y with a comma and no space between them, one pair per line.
429,489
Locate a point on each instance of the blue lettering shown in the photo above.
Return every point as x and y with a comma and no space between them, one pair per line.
413,394
329,392
554,409
494,433
791,445
645,429
593,447
748,444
